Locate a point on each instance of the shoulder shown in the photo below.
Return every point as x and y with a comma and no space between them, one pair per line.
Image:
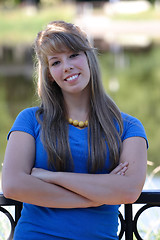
26,121
132,127
27,115
128,119
28,112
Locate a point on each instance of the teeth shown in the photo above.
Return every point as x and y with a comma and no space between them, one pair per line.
72,78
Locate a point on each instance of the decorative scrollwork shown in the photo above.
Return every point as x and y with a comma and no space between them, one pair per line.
9,216
140,211
128,225
123,226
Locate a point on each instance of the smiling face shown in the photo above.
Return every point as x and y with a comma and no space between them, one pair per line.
70,70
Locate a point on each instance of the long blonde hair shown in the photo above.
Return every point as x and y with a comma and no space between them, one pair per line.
103,113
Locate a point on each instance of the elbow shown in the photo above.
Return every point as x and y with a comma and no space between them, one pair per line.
8,191
9,188
13,185
132,191
6,194
131,196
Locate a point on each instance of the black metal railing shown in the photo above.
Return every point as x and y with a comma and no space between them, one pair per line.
149,199
17,212
128,228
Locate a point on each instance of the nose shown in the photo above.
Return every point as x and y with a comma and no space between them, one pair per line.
67,66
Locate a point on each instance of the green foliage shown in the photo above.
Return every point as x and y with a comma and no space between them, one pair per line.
5,121
15,2
50,2
152,1
22,24
139,90
15,95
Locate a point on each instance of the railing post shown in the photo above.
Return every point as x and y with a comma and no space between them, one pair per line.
18,209
128,221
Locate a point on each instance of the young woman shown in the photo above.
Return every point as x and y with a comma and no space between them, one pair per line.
72,175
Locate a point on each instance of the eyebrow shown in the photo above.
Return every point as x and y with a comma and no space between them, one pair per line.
54,57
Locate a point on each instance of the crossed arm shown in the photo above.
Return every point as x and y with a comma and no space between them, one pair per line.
20,181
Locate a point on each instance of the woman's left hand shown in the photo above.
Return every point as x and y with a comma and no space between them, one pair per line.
120,169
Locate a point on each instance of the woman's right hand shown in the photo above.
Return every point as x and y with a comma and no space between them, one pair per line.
120,169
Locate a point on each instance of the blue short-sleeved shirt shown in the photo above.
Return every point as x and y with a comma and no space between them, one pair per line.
37,223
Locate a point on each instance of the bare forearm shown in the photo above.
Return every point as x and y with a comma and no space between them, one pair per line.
96,187
103,188
26,188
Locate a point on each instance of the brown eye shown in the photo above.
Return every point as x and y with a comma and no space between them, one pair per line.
74,55
55,63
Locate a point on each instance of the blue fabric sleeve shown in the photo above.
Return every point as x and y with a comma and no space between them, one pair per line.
132,127
25,122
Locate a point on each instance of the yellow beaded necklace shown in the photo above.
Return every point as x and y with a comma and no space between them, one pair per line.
76,123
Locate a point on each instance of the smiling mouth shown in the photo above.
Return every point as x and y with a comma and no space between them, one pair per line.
72,78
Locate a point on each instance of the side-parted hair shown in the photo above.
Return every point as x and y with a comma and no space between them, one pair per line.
58,37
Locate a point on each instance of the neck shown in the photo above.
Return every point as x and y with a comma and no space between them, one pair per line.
77,107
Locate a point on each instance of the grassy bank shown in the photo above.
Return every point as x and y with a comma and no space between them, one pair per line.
20,25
